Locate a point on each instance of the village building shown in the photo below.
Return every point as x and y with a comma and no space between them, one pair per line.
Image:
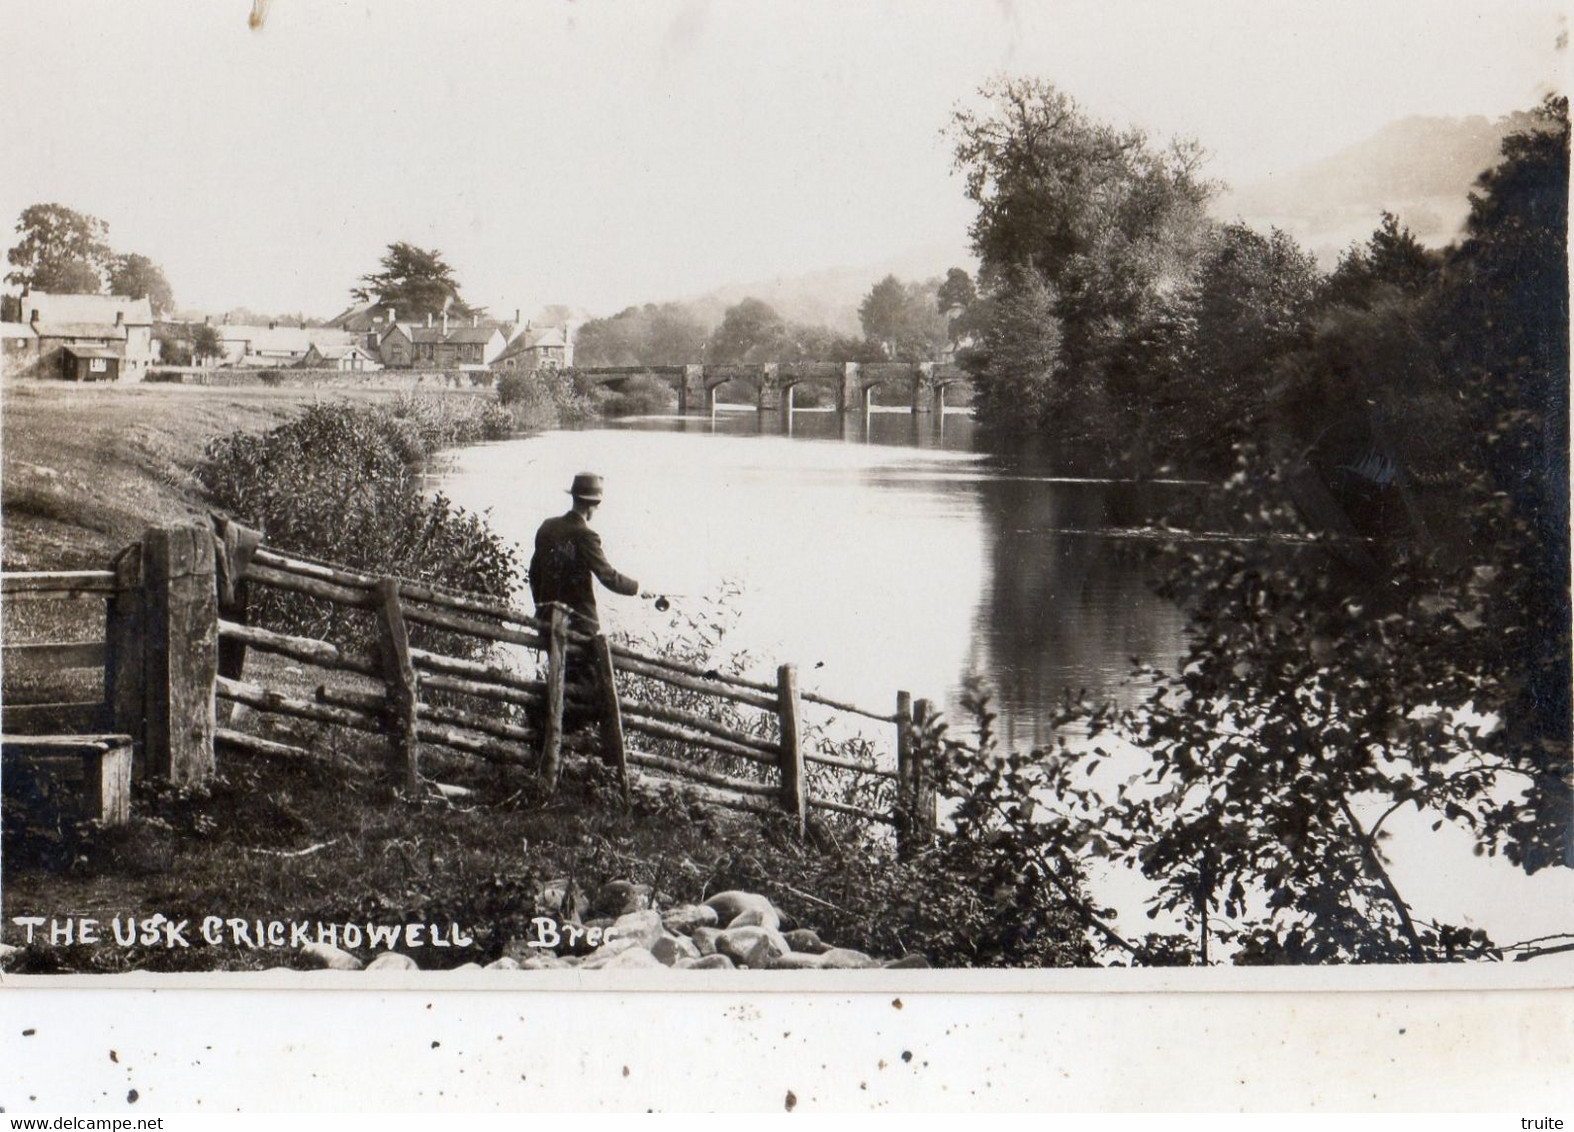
396,346
274,346
533,348
441,345
18,348
441,342
90,363
118,327
346,358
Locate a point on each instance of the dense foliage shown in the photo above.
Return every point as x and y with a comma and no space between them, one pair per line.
340,483
1388,635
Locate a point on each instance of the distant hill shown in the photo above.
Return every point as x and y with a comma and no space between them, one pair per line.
830,298
1420,169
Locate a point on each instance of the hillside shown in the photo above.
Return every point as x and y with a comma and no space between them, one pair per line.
1420,168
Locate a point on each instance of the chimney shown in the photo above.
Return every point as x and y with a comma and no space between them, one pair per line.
393,315
207,320
475,320
516,318
428,320
34,319
120,318
445,322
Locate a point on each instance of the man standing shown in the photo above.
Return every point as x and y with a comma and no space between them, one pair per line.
568,552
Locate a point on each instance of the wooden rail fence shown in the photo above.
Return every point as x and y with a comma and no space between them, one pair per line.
732,741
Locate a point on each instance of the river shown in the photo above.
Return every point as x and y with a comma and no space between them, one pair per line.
897,553
880,555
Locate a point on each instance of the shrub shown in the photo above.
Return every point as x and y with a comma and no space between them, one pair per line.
545,398
340,483
642,395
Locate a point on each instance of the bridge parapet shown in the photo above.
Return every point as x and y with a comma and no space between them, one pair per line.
773,382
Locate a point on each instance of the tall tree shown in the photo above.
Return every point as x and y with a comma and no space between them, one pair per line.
903,319
59,250
416,282
1106,219
668,334
138,277
750,331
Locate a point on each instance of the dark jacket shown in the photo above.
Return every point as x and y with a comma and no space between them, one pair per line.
567,553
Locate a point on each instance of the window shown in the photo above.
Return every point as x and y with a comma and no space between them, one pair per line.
98,365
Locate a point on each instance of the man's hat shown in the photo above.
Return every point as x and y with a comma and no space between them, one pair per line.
587,486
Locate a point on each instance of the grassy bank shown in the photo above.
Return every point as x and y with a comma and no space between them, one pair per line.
84,470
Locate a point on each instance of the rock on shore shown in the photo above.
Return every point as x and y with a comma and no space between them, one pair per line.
630,930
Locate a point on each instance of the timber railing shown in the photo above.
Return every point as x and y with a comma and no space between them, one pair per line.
54,703
425,668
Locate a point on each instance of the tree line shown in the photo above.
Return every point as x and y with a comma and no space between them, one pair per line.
1383,635
901,321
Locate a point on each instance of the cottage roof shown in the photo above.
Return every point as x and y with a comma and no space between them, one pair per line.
334,352
93,352
546,337
472,334
283,339
17,330
457,335
51,329
536,338
357,317
86,308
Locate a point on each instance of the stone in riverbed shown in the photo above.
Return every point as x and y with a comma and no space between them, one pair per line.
731,905
542,961
796,961
326,957
806,940
705,939
629,958
620,897
683,920
846,959
706,963
909,961
751,945
670,948
392,961
643,927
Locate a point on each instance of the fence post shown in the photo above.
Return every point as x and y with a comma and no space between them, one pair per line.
795,798
124,633
180,652
922,825
905,811
612,745
552,733
393,647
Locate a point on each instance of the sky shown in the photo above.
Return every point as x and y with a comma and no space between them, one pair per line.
598,153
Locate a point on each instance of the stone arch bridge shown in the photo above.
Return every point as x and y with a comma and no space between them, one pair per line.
853,383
